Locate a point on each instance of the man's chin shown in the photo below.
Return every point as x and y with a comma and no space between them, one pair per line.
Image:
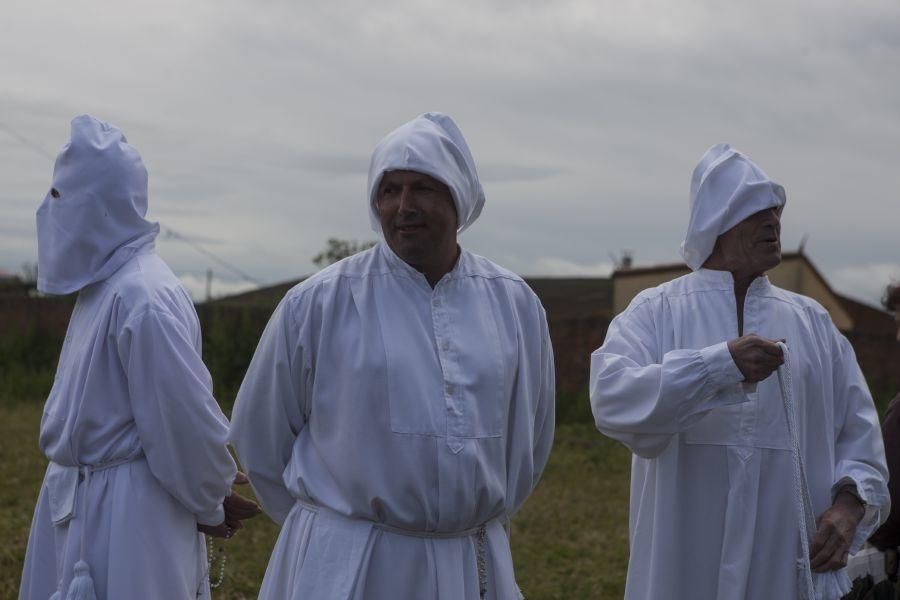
772,260
410,253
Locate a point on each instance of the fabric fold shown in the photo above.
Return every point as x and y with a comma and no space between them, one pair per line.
726,188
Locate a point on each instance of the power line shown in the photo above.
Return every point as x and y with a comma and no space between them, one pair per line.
26,142
168,232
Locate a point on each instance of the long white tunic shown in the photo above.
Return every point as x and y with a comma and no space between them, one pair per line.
131,388
712,493
375,403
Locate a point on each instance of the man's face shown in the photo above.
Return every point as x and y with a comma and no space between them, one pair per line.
754,244
418,218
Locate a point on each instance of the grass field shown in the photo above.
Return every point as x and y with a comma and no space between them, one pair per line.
569,541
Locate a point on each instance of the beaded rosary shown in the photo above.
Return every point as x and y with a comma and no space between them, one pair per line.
211,559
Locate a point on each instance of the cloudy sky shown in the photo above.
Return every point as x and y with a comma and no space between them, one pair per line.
256,120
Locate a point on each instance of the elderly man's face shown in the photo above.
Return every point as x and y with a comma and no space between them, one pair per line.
753,245
418,218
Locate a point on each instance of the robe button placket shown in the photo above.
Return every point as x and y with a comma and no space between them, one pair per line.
750,409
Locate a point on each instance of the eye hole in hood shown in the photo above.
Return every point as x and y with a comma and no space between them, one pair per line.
101,224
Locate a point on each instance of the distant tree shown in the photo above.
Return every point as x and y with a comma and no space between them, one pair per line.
339,250
29,272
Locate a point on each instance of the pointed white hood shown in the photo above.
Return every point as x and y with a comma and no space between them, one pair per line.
434,145
92,220
726,188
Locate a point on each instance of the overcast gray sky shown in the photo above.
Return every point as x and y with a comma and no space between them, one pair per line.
256,120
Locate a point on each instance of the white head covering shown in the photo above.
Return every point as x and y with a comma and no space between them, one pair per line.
434,145
97,222
726,188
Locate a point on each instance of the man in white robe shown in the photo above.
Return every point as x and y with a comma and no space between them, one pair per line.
400,405
136,442
685,379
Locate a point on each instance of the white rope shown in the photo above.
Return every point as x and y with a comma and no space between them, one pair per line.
803,504
86,484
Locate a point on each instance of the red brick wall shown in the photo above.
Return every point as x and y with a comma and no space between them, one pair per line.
879,359
573,341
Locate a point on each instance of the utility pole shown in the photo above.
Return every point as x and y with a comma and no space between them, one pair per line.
208,285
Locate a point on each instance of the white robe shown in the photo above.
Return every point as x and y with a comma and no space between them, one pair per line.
712,494
131,388
374,402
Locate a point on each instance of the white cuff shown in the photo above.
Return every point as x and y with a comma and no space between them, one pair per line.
213,517
721,366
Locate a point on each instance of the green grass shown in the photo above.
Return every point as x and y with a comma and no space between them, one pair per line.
21,471
569,541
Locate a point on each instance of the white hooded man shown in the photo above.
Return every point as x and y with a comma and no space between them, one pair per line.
400,405
136,442
689,378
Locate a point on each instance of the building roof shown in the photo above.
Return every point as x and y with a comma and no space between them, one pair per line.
562,297
867,319
269,295
592,297
680,266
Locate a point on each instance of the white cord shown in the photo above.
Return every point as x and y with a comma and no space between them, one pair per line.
805,514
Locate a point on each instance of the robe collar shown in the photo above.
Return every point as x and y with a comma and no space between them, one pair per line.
398,265
724,280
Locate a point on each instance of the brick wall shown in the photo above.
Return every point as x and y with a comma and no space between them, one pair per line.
19,315
573,341
232,331
879,359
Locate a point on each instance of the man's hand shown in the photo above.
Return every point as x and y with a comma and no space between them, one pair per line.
755,356
237,509
222,530
830,547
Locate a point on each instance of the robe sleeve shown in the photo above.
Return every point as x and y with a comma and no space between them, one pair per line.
859,449
533,410
270,410
545,417
641,398
181,427
545,413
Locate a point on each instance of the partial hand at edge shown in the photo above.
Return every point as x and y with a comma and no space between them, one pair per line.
237,508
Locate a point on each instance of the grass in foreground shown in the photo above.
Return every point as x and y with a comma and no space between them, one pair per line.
569,541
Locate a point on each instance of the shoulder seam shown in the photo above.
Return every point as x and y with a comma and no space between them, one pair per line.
146,311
